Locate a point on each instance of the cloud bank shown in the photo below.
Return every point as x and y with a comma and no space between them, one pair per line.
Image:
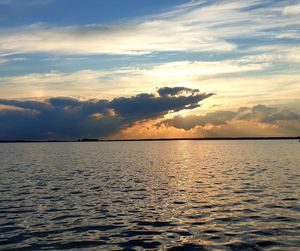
259,120
71,118
259,113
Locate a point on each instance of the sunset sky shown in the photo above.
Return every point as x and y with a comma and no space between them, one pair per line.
149,68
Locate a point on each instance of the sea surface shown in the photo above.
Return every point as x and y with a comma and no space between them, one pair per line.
170,195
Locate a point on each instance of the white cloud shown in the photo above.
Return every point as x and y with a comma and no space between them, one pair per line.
292,10
189,27
186,69
136,38
274,54
129,76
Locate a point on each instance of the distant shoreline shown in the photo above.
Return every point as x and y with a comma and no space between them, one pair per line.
159,139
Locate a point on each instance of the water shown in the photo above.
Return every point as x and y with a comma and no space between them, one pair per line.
176,195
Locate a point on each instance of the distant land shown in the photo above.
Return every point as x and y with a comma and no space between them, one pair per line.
158,139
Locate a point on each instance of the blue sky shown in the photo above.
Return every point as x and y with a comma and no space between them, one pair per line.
69,12
246,52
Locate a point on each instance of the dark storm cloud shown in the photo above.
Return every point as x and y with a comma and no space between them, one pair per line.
260,113
169,91
69,118
144,106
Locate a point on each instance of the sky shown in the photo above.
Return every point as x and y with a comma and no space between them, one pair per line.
124,69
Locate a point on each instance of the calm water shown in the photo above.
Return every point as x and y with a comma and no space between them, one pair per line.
177,195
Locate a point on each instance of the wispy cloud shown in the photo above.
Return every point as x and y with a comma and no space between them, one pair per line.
194,69
119,39
197,26
85,82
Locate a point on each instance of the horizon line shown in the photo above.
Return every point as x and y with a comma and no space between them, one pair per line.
151,139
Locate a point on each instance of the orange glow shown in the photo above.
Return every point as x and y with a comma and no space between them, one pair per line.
236,128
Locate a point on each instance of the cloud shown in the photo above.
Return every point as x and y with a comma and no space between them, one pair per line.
149,106
291,10
85,82
191,121
188,69
193,27
168,91
71,118
281,116
130,39
234,89
255,121
257,113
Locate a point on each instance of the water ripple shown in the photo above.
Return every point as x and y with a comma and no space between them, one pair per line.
185,195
